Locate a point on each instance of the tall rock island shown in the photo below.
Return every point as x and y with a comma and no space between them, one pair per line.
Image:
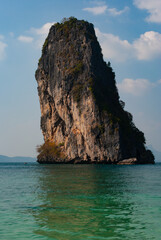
82,118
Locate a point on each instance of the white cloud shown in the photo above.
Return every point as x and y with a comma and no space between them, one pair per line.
25,39
115,12
2,49
153,7
96,10
97,2
159,81
43,30
41,33
37,35
113,47
1,37
146,47
135,87
101,8
11,34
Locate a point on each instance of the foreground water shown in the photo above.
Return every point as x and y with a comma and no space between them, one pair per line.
79,202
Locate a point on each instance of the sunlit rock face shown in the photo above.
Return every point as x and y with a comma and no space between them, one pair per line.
80,107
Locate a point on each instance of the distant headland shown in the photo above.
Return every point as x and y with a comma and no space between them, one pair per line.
18,159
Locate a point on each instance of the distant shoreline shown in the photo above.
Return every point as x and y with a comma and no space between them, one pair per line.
18,159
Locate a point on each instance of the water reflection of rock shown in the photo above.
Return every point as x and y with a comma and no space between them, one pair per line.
85,202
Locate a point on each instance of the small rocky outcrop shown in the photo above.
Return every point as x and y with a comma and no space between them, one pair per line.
80,108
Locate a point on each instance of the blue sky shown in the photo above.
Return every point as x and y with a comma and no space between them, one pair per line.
129,32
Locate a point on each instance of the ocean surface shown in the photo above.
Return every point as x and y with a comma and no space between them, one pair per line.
80,202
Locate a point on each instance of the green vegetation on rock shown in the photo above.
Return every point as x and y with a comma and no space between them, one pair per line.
45,44
78,68
101,128
49,151
76,91
67,24
61,144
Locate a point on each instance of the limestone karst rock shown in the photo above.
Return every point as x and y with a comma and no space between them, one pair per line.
80,108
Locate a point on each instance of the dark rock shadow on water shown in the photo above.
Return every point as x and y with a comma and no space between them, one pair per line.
90,202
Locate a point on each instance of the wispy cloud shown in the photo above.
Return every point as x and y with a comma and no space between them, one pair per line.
2,48
41,33
11,34
153,7
96,10
113,47
146,47
102,8
115,12
136,87
25,39
36,35
42,30
1,37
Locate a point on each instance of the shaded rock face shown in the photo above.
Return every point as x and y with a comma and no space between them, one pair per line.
80,106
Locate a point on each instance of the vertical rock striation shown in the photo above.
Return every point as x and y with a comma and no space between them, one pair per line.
80,107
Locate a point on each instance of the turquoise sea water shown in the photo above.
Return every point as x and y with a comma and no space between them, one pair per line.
79,202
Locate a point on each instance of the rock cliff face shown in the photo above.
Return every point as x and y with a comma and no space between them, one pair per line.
80,107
